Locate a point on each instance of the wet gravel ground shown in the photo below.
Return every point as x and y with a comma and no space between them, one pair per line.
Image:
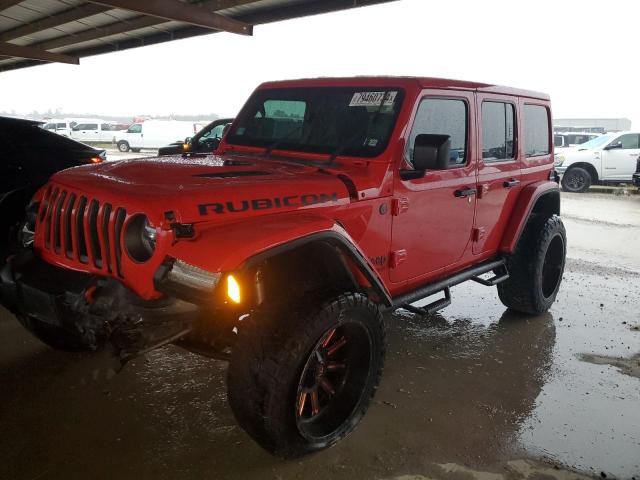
474,392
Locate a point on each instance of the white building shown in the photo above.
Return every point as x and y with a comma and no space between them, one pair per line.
600,125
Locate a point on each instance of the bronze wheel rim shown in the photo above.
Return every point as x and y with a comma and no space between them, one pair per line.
333,381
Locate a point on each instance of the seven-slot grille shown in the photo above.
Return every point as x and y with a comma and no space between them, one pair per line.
81,228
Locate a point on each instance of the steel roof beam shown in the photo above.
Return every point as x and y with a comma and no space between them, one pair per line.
32,53
181,12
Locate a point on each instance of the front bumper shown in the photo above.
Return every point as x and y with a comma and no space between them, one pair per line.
561,170
29,286
92,309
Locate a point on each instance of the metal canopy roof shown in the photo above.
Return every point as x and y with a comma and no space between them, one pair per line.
37,31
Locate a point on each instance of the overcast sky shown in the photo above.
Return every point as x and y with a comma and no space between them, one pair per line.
584,53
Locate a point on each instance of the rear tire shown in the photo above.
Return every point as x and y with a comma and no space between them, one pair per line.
281,358
123,146
535,267
576,180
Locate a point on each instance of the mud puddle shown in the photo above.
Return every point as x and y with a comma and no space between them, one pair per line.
476,387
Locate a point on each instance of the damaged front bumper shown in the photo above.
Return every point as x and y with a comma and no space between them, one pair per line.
94,310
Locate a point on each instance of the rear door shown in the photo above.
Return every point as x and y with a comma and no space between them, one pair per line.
499,165
106,132
432,220
619,163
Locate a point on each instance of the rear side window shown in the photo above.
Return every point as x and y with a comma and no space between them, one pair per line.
105,127
558,141
498,131
284,118
536,131
86,126
442,116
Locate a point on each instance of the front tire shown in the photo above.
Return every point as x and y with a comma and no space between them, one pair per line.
576,180
535,267
123,146
299,382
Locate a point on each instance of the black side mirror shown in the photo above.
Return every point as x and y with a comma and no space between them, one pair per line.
187,139
613,146
431,152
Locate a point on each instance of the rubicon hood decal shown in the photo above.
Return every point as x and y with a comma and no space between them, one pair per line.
288,201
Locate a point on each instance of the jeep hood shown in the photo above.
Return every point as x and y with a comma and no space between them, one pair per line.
206,187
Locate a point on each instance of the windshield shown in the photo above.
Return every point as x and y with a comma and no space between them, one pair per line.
596,142
348,121
210,132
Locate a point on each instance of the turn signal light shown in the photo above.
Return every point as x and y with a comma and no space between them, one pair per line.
233,289
96,160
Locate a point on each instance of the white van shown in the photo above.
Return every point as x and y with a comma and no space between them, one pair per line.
61,126
155,134
93,130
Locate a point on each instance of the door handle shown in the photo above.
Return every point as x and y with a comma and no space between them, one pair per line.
511,183
465,192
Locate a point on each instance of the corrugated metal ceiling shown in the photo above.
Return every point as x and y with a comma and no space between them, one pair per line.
80,29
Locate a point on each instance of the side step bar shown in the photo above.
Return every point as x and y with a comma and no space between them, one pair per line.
473,273
501,274
433,307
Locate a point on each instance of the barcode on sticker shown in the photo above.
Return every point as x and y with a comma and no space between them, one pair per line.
372,99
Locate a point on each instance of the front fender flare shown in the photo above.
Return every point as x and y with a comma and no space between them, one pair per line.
241,245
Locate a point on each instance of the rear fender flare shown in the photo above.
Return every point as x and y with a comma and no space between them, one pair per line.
540,197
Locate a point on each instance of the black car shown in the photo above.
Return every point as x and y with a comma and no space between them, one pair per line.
205,141
29,156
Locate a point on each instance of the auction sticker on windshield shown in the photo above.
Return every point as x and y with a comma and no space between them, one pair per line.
372,99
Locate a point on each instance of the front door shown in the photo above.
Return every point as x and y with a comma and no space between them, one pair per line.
498,169
433,215
619,163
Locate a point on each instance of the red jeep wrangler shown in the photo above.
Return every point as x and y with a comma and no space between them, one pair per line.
328,202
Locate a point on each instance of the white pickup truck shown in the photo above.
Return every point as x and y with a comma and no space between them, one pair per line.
609,158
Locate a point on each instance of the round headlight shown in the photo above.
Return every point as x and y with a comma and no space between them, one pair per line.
558,160
140,238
